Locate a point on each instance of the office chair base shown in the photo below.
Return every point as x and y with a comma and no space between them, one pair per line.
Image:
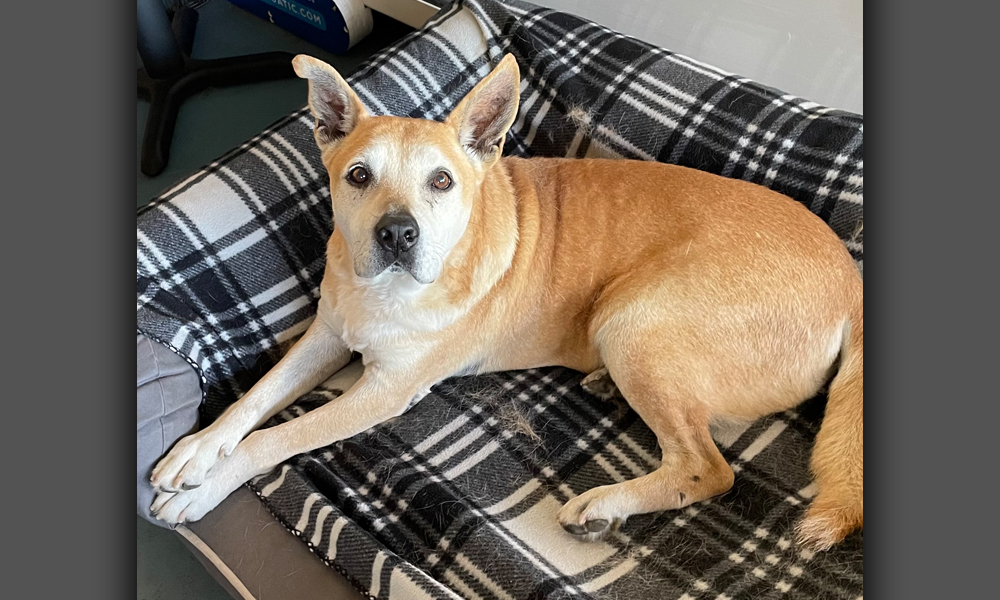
166,94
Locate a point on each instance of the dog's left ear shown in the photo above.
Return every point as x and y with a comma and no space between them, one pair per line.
483,117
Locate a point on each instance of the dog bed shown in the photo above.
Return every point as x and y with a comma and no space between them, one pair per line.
457,498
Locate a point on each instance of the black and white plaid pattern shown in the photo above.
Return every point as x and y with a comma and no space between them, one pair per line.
458,497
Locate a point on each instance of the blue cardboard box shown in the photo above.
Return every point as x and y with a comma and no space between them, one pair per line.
334,25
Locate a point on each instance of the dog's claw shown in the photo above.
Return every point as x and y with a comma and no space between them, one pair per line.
575,529
189,505
587,516
158,502
597,525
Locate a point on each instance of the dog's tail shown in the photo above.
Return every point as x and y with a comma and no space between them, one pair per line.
838,456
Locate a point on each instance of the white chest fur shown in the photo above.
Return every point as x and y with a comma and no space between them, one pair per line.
382,317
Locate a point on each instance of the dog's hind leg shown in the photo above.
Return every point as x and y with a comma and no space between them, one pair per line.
692,468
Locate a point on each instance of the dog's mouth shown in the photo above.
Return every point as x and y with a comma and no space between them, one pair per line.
401,267
399,264
395,266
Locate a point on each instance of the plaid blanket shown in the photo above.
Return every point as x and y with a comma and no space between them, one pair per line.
457,498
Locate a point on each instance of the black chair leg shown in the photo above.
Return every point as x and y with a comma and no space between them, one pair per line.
174,84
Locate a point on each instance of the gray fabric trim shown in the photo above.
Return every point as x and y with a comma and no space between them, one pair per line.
167,397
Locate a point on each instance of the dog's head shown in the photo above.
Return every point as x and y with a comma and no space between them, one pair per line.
403,189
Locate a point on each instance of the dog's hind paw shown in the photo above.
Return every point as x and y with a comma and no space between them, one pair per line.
600,384
824,526
585,518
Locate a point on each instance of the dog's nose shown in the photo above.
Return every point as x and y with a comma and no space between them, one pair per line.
397,232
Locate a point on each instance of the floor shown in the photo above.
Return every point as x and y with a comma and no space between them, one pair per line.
208,125
166,570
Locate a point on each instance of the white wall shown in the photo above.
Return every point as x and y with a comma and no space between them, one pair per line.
809,48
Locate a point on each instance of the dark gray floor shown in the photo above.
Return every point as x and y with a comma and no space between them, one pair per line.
208,125
166,570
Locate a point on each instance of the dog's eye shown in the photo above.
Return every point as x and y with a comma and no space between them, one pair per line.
441,181
358,175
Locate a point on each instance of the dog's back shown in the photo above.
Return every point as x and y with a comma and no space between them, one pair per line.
596,235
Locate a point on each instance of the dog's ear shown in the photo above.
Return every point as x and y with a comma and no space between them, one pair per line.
334,104
483,117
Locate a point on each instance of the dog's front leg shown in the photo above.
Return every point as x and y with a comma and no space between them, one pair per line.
315,357
377,397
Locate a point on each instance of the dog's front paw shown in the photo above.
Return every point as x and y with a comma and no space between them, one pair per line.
590,516
175,508
188,463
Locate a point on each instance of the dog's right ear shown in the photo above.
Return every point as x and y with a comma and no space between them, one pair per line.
334,104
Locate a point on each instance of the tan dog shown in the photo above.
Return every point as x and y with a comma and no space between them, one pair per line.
702,298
